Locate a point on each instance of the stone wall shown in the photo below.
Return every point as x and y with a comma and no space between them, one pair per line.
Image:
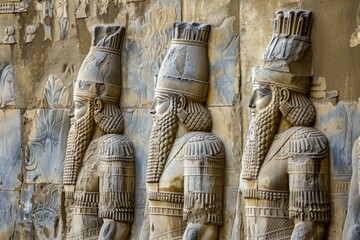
41,59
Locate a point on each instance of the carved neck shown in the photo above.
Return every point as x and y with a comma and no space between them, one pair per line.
181,130
284,125
98,133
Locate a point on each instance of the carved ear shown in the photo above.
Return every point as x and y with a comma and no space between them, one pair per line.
285,107
181,101
98,105
284,95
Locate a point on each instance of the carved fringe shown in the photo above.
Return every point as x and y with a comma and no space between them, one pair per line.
118,215
166,197
210,205
121,200
86,199
307,141
87,234
258,194
113,149
205,144
310,206
117,205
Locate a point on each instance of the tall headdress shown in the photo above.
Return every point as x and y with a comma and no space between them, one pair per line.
100,73
286,59
185,67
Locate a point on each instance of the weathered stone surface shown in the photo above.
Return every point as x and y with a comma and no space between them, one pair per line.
10,149
223,46
46,146
137,122
223,127
339,125
147,40
9,202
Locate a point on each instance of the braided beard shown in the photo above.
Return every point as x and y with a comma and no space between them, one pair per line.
110,119
261,134
79,138
162,138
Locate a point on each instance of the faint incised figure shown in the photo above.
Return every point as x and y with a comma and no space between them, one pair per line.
99,162
31,33
186,161
80,11
285,168
62,17
10,35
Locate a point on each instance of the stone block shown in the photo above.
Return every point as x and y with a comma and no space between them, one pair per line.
9,202
10,149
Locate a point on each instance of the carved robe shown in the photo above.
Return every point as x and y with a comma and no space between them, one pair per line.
190,188
293,183
104,187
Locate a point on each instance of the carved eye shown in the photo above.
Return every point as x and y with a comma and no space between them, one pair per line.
259,94
160,100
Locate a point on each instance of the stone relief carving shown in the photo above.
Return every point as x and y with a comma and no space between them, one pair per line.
103,6
14,6
185,161
7,95
10,35
155,24
45,9
31,33
47,139
285,168
46,214
62,17
56,95
99,163
81,9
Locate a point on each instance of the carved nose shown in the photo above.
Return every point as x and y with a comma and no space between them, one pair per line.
71,112
252,103
152,108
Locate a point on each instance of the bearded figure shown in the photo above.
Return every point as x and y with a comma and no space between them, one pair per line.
285,164
99,164
185,162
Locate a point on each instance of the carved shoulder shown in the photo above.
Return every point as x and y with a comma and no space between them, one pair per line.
307,141
204,144
115,147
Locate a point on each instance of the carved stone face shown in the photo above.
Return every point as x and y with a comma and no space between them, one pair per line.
79,108
160,104
261,98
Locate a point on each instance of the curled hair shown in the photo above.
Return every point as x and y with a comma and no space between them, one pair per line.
195,116
299,110
110,119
